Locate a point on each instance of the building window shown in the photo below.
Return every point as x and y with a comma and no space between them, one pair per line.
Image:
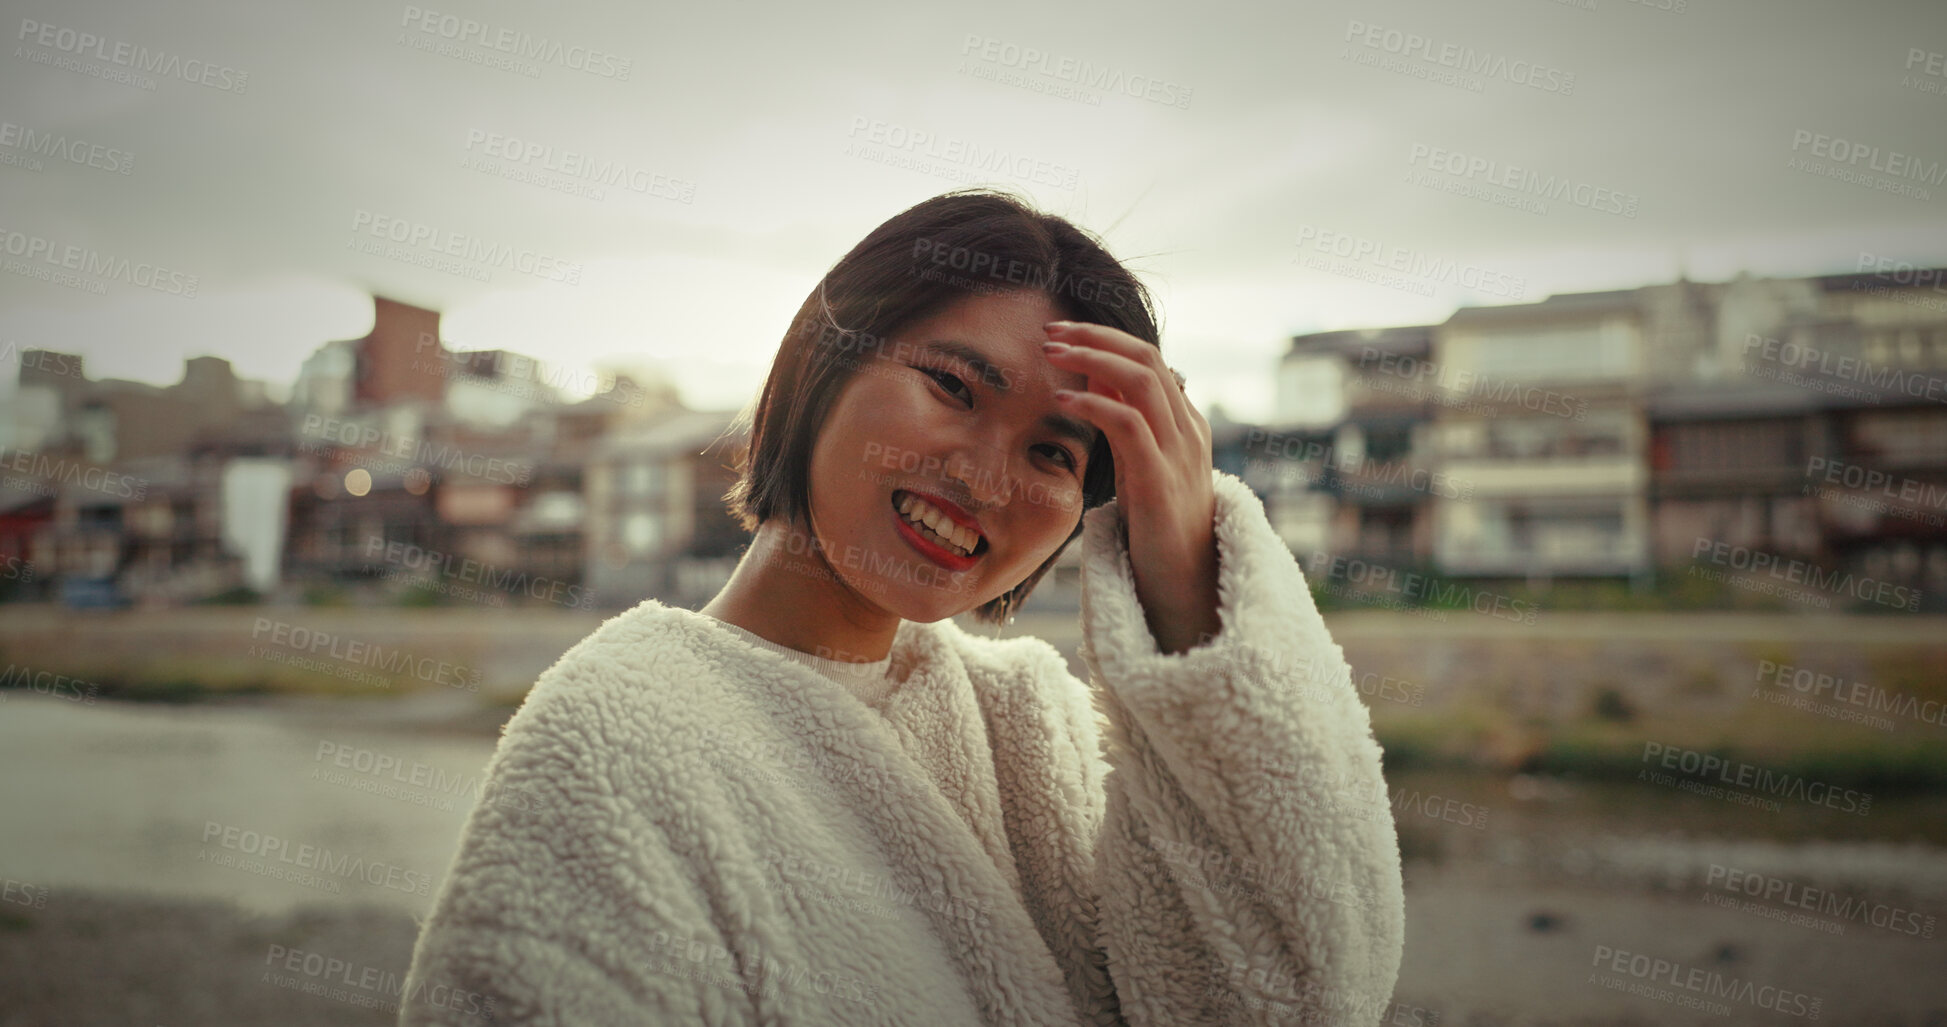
642,533
1582,352
1878,348
640,478
1735,445
1605,433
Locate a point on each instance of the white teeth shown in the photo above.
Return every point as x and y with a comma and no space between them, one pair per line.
956,537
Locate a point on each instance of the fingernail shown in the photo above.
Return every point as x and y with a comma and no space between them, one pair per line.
1054,347
1057,326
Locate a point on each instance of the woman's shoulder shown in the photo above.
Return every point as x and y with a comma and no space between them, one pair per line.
1023,658
634,673
1025,670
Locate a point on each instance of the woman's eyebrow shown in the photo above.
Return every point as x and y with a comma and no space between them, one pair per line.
973,358
1059,424
1069,427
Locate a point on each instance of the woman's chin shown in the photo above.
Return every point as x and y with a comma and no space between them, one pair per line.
922,606
919,603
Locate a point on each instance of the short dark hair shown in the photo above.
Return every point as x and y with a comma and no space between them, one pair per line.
951,247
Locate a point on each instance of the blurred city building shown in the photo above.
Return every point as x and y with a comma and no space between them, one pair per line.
1603,434
656,519
1590,435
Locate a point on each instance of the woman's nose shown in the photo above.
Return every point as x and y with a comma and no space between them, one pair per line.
983,469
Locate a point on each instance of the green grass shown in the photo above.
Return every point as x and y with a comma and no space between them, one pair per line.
1595,749
1676,588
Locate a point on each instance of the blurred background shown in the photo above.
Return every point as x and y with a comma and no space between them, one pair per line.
1589,354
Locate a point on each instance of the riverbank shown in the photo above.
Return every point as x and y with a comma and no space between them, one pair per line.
1854,701
1483,946
135,894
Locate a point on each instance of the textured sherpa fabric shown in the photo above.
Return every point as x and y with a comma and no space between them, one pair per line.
680,827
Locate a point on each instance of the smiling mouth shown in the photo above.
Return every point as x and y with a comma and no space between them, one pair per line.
914,511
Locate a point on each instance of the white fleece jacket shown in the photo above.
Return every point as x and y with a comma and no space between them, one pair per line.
686,828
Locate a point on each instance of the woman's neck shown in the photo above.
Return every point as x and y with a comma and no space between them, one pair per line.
796,600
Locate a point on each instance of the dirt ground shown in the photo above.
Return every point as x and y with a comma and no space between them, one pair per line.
110,912
1478,952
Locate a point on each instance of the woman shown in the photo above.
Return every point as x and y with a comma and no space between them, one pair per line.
819,801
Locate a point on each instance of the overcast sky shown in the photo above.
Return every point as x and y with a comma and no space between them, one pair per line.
273,140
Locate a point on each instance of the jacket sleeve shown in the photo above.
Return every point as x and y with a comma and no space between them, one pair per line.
1247,868
567,902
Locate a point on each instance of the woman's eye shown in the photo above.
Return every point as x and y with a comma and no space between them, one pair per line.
943,378
1067,458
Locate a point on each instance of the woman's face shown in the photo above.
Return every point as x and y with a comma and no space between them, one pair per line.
960,408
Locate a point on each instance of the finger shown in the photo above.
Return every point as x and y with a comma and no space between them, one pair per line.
1131,442
1119,378
1123,344
1136,381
